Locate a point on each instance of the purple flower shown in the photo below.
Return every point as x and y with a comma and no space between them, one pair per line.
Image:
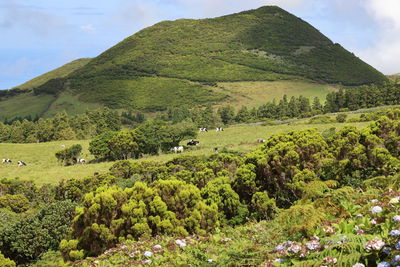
395,233
397,246
386,250
396,218
376,209
383,264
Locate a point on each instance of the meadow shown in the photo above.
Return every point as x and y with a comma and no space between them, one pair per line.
42,166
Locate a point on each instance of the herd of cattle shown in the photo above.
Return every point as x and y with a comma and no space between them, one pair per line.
177,149
9,161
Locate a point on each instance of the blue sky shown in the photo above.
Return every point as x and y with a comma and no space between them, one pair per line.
40,35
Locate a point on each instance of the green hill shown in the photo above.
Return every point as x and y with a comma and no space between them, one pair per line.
185,62
60,72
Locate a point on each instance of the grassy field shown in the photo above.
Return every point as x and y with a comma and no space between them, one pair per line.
24,105
42,165
255,94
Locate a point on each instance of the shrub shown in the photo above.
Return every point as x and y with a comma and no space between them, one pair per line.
341,117
16,203
69,156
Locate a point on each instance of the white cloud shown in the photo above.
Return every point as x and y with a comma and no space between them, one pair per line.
384,54
89,28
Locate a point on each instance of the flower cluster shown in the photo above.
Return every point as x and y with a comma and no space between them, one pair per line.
375,244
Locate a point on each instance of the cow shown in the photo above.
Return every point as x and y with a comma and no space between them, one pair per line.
178,149
81,161
203,130
21,163
193,143
216,150
259,140
7,161
219,129
62,146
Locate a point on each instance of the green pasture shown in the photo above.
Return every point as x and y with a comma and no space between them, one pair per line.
42,165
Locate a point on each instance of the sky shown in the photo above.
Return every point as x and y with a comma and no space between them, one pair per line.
37,36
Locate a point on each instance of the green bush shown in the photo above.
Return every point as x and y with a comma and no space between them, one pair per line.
69,156
16,203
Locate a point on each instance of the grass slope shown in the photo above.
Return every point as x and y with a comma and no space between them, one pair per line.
24,105
255,94
177,59
44,168
60,72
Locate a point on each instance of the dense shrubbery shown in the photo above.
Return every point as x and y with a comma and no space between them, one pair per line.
69,155
289,180
61,127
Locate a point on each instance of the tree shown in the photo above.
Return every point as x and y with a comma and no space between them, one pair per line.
69,155
316,106
341,117
99,146
243,115
124,145
227,114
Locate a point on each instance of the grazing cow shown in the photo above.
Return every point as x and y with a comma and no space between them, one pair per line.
219,129
96,173
193,143
216,150
62,146
203,130
259,140
7,161
81,161
21,163
178,149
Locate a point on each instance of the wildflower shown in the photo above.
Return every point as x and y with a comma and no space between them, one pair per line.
394,200
376,209
330,260
374,244
396,218
132,255
358,265
180,243
148,261
313,245
279,260
396,261
374,201
359,215
210,260
373,221
294,248
157,247
395,233
397,246
329,230
282,246
383,264
148,254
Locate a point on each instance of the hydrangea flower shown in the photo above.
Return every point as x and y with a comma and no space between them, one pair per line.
383,264
157,247
295,248
376,209
358,265
397,246
394,200
396,218
374,201
373,221
210,260
148,254
180,243
329,230
313,245
148,261
374,244
330,260
396,260
395,233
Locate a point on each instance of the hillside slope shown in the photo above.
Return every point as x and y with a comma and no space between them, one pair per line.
60,72
181,62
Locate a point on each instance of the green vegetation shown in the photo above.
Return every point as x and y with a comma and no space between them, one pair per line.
57,73
306,189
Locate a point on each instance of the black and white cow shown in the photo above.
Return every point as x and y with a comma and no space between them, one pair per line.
216,150
21,163
219,129
203,130
81,161
7,161
259,140
193,143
